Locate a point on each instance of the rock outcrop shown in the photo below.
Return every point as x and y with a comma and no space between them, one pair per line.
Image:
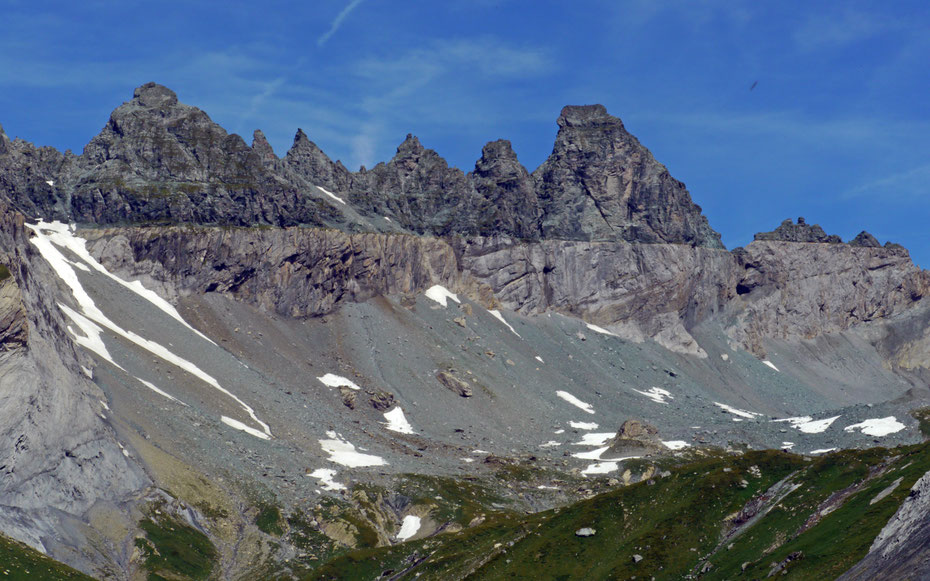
788,231
789,290
600,183
62,456
900,549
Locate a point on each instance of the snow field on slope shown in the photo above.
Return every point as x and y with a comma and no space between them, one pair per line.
49,237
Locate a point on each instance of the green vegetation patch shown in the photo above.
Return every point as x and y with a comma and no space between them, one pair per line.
175,550
19,562
269,520
4,272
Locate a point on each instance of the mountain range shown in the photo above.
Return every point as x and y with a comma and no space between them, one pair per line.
220,363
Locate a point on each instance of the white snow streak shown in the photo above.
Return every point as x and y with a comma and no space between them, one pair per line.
50,236
582,425
550,444
331,195
821,451
656,394
50,182
600,330
770,364
168,395
409,527
342,452
538,358
878,426
397,422
738,412
240,426
440,293
575,401
333,380
497,315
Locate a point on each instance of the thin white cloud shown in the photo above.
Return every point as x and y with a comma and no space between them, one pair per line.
908,184
337,22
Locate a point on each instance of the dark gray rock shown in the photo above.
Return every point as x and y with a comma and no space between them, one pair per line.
601,184
788,231
864,239
507,202
307,161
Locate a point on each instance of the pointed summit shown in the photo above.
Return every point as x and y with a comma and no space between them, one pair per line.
155,96
263,149
600,183
309,162
410,146
508,202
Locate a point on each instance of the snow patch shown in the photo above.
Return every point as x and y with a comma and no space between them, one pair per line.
409,527
240,426
89,373
50,182
821,451
440,293
331,195
787,445
397,422
581,426
770,364
561,431
808,425
497,315
878,426
595,439
333,380
342,452
538,358
591,454
325,476
656,394
601,468
575,401
600,330
738,412
550,444
676,444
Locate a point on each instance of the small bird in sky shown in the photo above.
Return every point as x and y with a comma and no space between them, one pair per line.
754,83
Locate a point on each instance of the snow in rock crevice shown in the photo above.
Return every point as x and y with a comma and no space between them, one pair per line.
497,315
408,527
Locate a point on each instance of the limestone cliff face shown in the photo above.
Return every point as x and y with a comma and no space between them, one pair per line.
62,456
801,290
296,271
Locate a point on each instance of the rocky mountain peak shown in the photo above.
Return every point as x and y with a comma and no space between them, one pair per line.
155,96
4,142
263,149
309,162
587,116
865,239
600,183
411,146
508,201
788,231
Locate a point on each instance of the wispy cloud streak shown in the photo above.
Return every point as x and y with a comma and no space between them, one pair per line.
337,22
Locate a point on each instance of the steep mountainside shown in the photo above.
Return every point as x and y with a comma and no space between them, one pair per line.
218,363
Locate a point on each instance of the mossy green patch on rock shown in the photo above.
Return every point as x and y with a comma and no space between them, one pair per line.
175,550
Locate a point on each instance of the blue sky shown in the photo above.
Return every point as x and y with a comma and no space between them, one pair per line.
837,128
